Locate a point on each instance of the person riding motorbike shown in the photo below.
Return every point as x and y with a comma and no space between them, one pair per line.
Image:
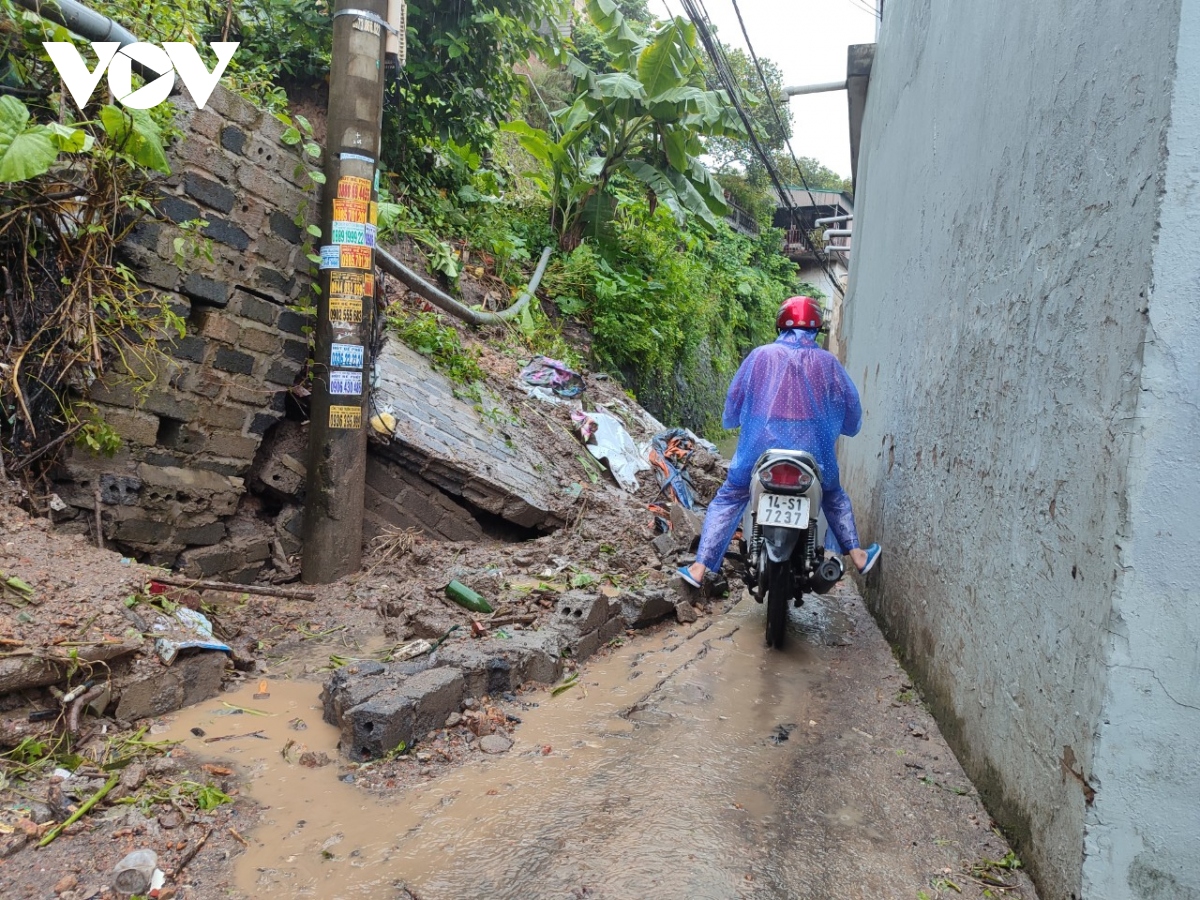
791,395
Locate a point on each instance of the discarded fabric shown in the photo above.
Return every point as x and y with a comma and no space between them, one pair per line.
669,454
554,375
607,440
190,630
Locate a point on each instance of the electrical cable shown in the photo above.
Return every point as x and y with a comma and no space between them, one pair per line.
787,141
866,7
699,15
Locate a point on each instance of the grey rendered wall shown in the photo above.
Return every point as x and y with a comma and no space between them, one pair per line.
1012,160
1143,832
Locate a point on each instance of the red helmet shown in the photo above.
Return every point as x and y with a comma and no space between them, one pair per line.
799,312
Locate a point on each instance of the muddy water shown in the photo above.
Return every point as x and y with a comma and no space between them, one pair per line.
659,783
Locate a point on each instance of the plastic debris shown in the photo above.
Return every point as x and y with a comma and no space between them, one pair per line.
190,629
14,591
464,596
412,650
134,874
553,376
669,454
384,423
608,441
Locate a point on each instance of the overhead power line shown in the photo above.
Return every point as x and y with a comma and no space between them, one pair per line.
699,16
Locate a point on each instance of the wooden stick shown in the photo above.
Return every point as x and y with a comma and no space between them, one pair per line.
81,812
234,737
191,854
99,524
289,593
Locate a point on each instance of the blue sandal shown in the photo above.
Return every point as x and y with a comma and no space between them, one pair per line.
872,555
683,573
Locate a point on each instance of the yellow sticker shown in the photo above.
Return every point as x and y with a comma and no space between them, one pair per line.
356,257
345,309
350,188
351,284
350,211
373,213
345,417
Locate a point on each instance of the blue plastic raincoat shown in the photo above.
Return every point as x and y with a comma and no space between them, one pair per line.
790,394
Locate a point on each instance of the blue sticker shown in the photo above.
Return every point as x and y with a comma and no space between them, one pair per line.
350,233
370,235
346,356
331,256
356,156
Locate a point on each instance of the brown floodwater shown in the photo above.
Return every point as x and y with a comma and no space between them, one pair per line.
659,783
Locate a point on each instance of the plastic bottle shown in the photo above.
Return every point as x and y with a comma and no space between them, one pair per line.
464,596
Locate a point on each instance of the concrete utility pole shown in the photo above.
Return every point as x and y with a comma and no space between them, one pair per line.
337,462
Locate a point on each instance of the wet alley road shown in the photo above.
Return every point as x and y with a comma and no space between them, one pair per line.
692,763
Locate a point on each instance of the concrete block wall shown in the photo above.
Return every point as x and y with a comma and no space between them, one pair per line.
190,438
1021,323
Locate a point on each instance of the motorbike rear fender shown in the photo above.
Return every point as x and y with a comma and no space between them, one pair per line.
780,542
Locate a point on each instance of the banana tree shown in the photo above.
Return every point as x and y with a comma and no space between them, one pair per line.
645,118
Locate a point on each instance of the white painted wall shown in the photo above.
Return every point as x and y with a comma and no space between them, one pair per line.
1014,159
1143,833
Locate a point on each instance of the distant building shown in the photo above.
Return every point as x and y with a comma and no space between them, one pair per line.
821,263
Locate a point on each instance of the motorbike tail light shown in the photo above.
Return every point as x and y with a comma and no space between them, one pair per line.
786,475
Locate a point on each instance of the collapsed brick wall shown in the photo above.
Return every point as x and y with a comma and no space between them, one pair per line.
190,439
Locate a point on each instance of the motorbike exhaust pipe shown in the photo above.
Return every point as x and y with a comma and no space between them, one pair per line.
828,574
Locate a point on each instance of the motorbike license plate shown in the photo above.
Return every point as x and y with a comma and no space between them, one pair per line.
782,511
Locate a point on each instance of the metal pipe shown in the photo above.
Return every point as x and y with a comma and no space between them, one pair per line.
837,232
78,18
796,90
87,23
445,302
833,219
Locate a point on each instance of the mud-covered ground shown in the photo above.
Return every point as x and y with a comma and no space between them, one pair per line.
85,610
874,792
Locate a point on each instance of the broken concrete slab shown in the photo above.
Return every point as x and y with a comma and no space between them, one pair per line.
540,655
402,713
685,612
487,670
20,672
645,607
665,545
441,438
356,683
155,690
580,646
583,611
685,526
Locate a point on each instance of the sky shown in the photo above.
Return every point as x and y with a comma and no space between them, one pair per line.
807,39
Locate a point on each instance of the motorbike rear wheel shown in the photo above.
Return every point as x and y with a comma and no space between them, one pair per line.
780,587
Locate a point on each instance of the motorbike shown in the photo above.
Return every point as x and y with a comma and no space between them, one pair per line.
781,556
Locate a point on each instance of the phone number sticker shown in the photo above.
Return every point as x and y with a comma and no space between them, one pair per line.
345,309
345,383
331,256
350,188
345,417
356,257
346,356
352,211
350,233
351,284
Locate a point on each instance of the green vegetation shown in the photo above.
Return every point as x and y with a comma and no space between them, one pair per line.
501,137
605,164
73,187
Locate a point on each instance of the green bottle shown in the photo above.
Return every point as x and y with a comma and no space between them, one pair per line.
464,596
